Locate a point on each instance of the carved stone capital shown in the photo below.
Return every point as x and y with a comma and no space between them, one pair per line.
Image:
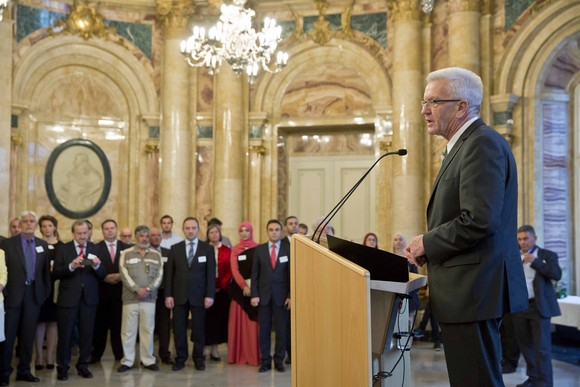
16,139
464,5
405,9
174,15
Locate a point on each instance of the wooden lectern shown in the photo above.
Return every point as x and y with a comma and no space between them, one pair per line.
340,318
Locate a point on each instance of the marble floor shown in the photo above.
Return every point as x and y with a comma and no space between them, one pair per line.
427,369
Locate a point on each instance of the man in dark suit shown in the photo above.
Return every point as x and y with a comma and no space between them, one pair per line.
79,269
28,285
271,292
190,287
532,325
162,313
475,272
110,308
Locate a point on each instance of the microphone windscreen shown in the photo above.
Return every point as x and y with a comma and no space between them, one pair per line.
402,152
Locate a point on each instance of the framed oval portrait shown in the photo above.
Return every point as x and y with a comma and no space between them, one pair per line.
78,178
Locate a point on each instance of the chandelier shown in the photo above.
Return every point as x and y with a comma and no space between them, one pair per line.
234,40
3,8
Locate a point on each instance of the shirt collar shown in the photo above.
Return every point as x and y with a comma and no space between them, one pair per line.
24,238
270,244
195,241
458,134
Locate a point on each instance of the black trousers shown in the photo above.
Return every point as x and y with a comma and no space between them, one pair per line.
82,316
108,318
473,353
180,315
510,350
281,320
162,324
25,317
534,337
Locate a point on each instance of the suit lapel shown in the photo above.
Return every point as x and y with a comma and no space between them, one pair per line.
21,256
449,159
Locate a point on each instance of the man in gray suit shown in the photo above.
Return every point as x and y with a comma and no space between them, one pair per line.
475,271
532,325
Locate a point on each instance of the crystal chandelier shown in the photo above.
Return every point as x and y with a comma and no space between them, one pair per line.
3,8
427,6
234,40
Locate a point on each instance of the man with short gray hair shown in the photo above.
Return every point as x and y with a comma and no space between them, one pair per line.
141,270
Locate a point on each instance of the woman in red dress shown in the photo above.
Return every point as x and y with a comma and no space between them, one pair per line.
216,318
244,330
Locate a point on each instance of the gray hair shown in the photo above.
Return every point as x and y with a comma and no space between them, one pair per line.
527,228
26,213
142,228
463,84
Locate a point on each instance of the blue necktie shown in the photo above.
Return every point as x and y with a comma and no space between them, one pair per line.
29,257
190,254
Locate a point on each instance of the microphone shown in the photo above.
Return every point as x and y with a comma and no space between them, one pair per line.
334,211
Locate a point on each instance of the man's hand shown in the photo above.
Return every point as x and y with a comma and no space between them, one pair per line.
528,258
169,302
415,252
287,303
247,291
207,302
113,278
95,262
142,293
255,301
77,262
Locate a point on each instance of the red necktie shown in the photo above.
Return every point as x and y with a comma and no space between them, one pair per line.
81,254
112,252
273,256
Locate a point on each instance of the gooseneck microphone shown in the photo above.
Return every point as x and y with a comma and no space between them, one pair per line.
334,211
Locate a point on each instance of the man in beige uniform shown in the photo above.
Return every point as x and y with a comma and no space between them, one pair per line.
141,270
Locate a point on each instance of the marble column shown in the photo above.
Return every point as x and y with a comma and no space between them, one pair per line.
228,150
408,199
256,151
464,34
175,146
6,42
486,67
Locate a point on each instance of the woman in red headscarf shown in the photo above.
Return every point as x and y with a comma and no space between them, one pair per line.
371,240
244,330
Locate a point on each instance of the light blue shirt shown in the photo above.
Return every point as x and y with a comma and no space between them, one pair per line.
166,243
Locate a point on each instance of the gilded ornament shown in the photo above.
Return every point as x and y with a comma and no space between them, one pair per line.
16,139
405,9
84,21
173,15
259,149
321,33
464,5
151,148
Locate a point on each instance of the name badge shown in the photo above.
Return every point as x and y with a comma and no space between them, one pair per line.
164,259
39,249
133,260
283,259
202,259
50,247
91,256
242,258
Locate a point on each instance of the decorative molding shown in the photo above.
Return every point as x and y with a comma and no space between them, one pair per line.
321,33
16,139
173,15
259,149
152,147
486,7
464,6
385,146
405,9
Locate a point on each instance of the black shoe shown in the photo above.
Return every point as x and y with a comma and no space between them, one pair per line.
215,358
61,374
178,366
28,377
280,367
265,367
167,360
85,373
50,366
123,368
39,367
200,366
527,383
5,381
152,367
437,346
94,360
288,360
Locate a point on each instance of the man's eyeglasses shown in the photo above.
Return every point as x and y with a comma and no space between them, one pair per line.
434,102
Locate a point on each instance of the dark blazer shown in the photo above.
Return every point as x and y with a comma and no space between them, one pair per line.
80,282
107,290
475,269
547,269
16,267
267,283
194,283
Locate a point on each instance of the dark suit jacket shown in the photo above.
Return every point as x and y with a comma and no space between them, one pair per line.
474,265
547,269
106,290
267,283
190,284
16,267
80,282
